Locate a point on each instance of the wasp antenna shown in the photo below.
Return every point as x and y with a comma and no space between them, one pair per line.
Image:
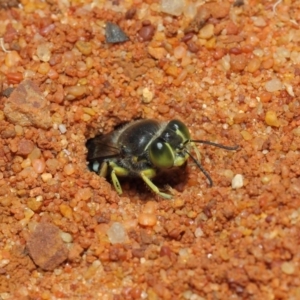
201,168
215,144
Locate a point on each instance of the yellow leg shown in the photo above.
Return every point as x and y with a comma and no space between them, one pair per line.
103,169
116,170
150,173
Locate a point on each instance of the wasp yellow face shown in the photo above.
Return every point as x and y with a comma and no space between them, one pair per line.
167,150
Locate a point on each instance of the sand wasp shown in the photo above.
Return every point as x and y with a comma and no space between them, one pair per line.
142,149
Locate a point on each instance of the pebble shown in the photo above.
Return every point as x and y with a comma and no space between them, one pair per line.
288,268
150,207
25,147
271,119
237,181
274,85
147,219
289,89
172,7
44,68
75,92
259,21
225,62
114,34
12,59
206,32
179,52
147,32
69,169
19,130
62,128
35,154
43,52
192,46
296,131
84,47
46,247
163,108
147,95
238,62
66,211
46,177
34,204
27,106
157,52
198,232
116,233
66,237
246,135
52,164
253,65
38,165
26,163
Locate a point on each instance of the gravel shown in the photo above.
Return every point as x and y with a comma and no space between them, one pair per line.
229,71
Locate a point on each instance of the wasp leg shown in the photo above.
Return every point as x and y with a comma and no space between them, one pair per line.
150,173
116,170
103,169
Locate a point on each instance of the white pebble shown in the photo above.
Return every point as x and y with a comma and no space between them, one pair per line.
289,89
225,62
147,95
172,7
66,237
237,181
274,85
43,52
62,128
198,232
259,21
116,233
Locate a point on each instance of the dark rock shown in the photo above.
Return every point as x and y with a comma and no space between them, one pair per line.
114,34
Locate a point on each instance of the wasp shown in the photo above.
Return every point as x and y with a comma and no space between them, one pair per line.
142,149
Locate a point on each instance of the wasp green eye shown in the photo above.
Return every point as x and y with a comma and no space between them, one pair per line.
161,154
180,128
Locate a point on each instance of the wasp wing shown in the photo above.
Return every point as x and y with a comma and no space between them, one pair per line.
102,147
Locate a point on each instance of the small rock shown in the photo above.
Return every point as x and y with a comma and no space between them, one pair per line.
147,32
114,34
7,92
157,52
274,85
147,95
207,31
271,119
172,7
288,267
25,147
238,62
27,106
218,10
147,219
116,233
237,181
46,247
130,13
199,20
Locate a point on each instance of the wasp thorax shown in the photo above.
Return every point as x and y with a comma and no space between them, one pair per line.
161,154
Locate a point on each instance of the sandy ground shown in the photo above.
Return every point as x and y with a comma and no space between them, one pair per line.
71,70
